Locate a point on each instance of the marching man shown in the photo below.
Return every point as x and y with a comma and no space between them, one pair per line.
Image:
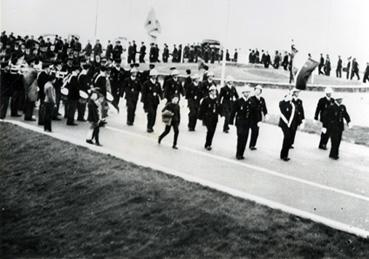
258,115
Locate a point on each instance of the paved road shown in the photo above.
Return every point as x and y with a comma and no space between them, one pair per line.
311,185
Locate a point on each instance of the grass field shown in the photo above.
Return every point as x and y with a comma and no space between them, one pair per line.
61,200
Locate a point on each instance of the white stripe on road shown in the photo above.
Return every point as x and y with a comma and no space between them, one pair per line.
272,204
254,167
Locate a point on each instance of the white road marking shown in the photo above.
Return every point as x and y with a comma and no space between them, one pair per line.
272,204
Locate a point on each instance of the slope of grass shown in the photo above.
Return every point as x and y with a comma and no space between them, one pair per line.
61,200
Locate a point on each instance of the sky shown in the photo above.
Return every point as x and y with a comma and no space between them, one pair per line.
335,27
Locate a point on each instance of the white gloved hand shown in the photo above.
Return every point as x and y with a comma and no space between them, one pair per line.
349,125
266,117
259,124
324,130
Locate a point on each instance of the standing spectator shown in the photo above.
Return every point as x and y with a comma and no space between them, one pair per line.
165,53
109,51
348,68
235,56
366,73
97,48
355,69
49,102
339,67
327,66
321,64
117,51
142,53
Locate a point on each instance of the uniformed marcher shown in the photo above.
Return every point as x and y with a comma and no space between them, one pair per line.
84,82
116,81
193,96
336,117
257,116
299,120
151,96
287,117
242,112
209,113
175,117
207,83
227,97
321,114
172,86
132,88
73,96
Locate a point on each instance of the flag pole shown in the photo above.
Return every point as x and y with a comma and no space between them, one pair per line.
222,78
96,18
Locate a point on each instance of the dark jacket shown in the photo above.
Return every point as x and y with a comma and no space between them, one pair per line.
259,109
299,112
151,94
73,89
336,115
93,112
321,109
172,88
242,111
209,110
132,89
286,108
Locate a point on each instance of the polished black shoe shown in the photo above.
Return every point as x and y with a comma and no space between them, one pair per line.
240,157
286,159
15,115
89,141
191,129
150,130
83,120
174,147
208,148
129,123
334,157
323,147
253,148
72,124
30,119
292,147
226,131
98,144
56,119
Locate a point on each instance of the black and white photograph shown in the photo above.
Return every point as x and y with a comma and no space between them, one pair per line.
184,129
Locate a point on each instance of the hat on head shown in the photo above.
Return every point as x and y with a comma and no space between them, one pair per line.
174,72
154,72
229,79
134,70
211,73
212,88
195,76
328,90
188,71
258,87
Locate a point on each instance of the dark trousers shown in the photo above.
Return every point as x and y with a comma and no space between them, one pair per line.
348,74
95,134
4,103
14,103
57,103
336,137
242,135
142,58
49,111
287,135
320,69
254,134
227,117
72,106
167,130
131,110
28,109
211,126
339,73
355,73
151,117
192,115
293,133
324,137
81,110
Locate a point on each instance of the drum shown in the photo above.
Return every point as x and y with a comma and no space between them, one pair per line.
64,94
109,97
83,96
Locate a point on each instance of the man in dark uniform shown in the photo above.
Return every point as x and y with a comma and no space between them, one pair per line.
193,96
348,65
336,115
209,113
165,53
299,119
151,96
73,96
142,53
287,116
134,52
321,65
366,73
84,82
207,83
339,67
227,97
5,89
97,48
109,51
321,114
132,88
116,81
258,114
117,50
172,86
242,112
355,69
